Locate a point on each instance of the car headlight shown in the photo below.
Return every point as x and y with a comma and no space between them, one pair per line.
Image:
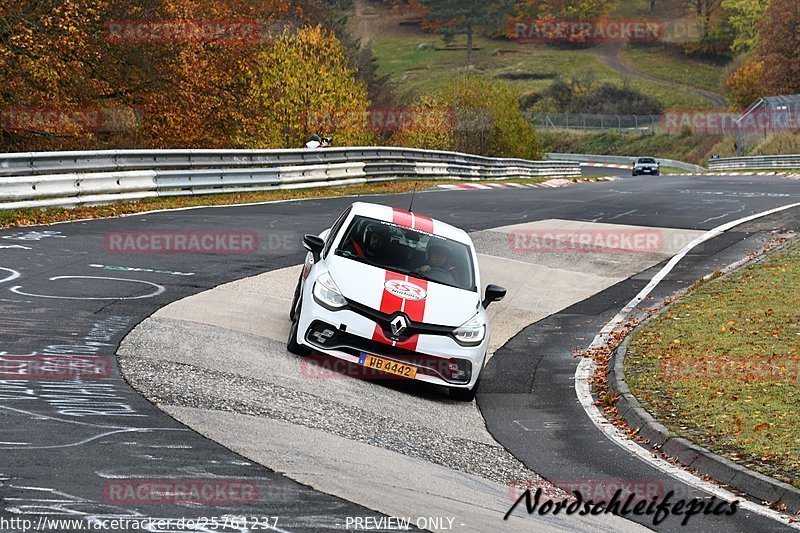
471,332
327,294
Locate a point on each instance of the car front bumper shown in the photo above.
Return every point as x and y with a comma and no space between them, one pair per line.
346,335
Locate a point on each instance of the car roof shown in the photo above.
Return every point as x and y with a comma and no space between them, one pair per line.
412,220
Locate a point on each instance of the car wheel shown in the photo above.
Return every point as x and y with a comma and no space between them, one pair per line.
465,395
295,298
292,345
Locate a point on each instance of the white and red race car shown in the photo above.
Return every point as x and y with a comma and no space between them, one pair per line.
395,292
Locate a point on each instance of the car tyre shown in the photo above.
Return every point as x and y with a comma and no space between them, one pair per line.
465,395
291,344
295,298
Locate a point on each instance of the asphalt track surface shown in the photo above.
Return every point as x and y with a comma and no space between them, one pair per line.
64,444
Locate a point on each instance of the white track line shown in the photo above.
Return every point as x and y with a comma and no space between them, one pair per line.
14,274
587,367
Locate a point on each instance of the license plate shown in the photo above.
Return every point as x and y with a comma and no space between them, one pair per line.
390,367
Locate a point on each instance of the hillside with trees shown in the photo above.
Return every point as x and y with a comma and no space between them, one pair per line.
94,74
169,73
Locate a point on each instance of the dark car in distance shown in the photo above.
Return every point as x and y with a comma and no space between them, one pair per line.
646,165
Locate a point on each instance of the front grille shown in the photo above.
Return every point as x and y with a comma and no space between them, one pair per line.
325,336
384,321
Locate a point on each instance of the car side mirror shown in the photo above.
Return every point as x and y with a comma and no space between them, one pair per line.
314,244
494,293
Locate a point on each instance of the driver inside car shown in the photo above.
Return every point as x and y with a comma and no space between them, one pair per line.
438,258
373,246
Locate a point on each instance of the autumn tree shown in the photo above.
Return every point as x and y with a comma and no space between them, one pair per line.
463,17
50,58
779,48
744,17
172,87
484,118
704,10
564,9
715,32
303,85
744,84
544,12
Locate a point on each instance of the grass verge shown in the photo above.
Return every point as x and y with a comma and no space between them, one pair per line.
42,216
668,64
721,367
689,148
409,57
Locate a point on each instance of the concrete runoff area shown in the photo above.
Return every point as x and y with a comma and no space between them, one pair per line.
217,362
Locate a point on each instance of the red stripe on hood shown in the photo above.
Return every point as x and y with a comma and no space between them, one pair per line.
415,309
389,304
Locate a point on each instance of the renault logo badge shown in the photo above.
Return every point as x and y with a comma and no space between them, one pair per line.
399,325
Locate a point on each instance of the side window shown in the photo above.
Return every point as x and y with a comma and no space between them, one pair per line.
335,231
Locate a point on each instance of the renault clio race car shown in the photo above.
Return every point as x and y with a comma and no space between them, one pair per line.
395,292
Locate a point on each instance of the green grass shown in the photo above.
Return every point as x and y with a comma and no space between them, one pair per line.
780,143
690,149
668,64
422,70
419,70
631,9
721,367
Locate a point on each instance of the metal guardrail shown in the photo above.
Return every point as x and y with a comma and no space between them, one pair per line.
71,178
760,162
641,124
622,160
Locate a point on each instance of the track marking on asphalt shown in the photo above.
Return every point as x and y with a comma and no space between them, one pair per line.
14,274
159,289
34,235
138,269
587,367
112,429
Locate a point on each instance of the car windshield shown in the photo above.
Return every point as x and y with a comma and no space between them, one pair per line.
407,251
647,161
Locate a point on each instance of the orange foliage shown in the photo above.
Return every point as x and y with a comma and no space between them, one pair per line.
744,84
145,85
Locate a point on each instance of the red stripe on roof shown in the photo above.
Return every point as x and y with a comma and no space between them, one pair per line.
411,221
403,218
